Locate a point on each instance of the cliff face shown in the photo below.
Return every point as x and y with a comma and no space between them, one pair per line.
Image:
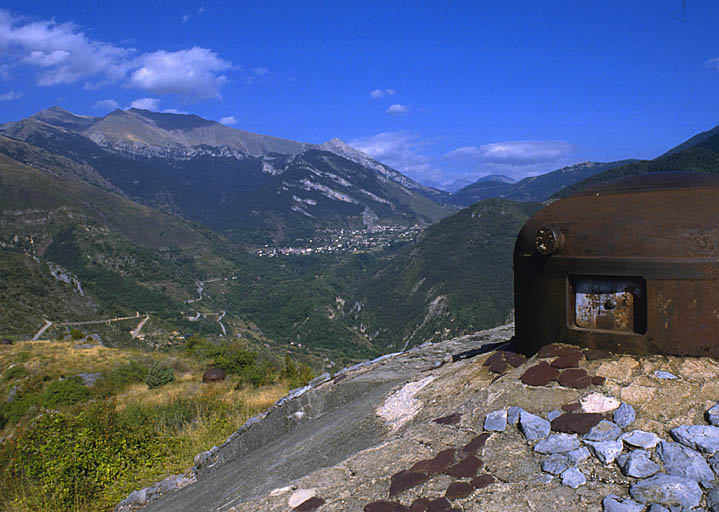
458,420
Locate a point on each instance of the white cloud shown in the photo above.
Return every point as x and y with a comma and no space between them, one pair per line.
192,74
524,152
378,93
260,71
397,110
63,54
152,104
186,17
107,105
228,120
400,150
712,64
10,95
4,72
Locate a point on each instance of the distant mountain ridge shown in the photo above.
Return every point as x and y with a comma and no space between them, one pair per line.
533,188
257,187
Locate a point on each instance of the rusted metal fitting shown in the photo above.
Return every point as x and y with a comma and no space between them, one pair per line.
628,266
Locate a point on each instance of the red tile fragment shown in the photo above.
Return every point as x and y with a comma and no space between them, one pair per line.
598,380
593,354
419,505
572,407
576,378
552,350
466,468
439,505
568,360
459,490
499,366
386,506
516,360
576,423
310,504
497,356
474,446
540,375
404,480
435,465
450,419
482,481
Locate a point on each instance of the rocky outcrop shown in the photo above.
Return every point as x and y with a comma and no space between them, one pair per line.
456,426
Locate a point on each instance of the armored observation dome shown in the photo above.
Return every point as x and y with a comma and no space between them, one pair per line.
628,266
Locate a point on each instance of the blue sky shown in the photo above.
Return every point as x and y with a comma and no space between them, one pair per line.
440,90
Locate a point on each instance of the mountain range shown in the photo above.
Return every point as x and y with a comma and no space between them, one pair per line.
146,213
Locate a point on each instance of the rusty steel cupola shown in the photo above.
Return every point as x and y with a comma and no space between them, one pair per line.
628,266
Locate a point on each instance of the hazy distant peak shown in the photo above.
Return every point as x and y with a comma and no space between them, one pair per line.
58,116
501,178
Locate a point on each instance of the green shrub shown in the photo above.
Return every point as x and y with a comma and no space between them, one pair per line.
69,460
258,375
23,357
76,334
158,375
24,404
118,378
297,374
65,392
14,372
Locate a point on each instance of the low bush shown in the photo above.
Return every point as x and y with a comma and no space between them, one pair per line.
120,377
76,334
14,372
65,392
158,375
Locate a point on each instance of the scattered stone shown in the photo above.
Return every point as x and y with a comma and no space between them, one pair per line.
540,375
659,508
450,419
682,461
712,414
714,463
572,407
385,506
557,443
404,480
137,498
596,402
419,505
513,415
576,423
310,504
624,415
612,503
213,375
300,496
637,464
659,374
435,465
579,455
459,490
555,464
544,478
482,481
593,354
576,378
556,413
667,490
515,359
606,451
573,478
698,437
570,360
496,421
640,439
603,431
598,380
466,468
713,499
533,427
89,379
474,446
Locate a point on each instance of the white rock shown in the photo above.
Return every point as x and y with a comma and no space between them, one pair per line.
300,496
596,402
